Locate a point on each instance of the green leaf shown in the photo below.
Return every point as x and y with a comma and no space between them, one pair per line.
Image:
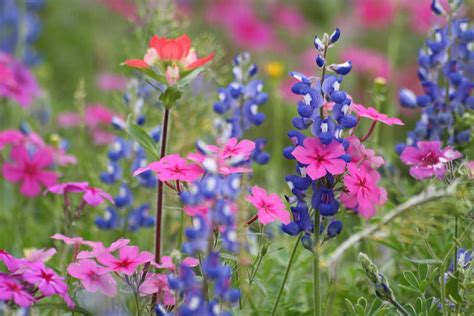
452,289
187,78
350,306
142,137
170,97
411,279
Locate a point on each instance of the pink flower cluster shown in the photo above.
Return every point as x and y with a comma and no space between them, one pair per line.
28,280
367,61
96,117
17,82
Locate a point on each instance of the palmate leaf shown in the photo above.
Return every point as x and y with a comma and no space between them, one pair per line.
142,137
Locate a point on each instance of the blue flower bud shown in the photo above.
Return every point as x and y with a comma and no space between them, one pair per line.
300,77
307,242
335,36
301,123
437,8
305,110
287,152
341,69
318,44
320,61
334,229
348,121
407,98
291,229
252,71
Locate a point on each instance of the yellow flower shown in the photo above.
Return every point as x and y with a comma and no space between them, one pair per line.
274,69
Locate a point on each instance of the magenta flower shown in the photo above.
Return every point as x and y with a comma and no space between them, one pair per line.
362,193
173,167
99,249
234,148
320,158
11,137
47,281
374,115
270,207
93,277
12,290
157,283
29,169
375,13
17,83
167,263
40,255
76,241
129,259
92,196
361,155
427,159
111,82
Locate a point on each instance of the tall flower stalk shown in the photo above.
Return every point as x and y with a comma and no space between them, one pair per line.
172,63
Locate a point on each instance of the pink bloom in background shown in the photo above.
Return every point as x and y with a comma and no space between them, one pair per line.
375,13
129,259
374,115
361,155
17,82
69,119
270,207
427,159
367,61
320,158
234,148
111,82
11,289
93,277
125,8
30,170
363,193
76,241
289,18
173,167
99,249
11,137
97,114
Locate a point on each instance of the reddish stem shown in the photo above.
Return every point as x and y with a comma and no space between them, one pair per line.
253,219
371,129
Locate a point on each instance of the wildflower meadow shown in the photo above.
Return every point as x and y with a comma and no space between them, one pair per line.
236,157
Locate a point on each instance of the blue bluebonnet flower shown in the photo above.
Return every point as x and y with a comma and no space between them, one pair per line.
239,104
326,123
20,27
214,196
446,65
130,155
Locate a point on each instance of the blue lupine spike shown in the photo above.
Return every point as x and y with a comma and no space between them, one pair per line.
407,98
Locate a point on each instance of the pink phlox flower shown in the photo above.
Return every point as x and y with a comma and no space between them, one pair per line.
362,193
173,167
47,281
427,159
13,290
361,155
40,255
269,206
69,119
62,188
97,114
8,260
157,283
98,249
234,148
167,263
93,277
374,115
320,158
129,259
289,17
30,170
96,196
76,241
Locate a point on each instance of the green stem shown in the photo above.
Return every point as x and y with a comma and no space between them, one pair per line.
285,277
137,303
316,267
399,307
